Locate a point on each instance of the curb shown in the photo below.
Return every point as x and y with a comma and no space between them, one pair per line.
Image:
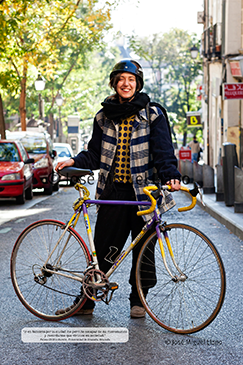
223,214
226,221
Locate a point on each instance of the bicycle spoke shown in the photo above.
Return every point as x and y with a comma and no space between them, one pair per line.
41,292
188,304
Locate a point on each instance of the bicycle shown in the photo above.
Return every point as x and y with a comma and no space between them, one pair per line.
50,262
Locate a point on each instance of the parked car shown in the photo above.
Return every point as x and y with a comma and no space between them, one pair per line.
16,174
40,148
64,152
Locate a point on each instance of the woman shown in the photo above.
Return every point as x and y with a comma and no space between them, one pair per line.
129,139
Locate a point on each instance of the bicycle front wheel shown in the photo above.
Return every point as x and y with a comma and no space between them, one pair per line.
42,292
191,303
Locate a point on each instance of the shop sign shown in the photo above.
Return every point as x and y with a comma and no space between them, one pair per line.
235,69
193,119
233,91
185,153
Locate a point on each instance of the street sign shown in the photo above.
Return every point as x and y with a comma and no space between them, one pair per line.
193,119
233,91
185,154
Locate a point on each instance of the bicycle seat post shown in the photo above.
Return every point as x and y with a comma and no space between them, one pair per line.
81,193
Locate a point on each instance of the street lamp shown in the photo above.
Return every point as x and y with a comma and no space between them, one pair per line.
40,86
194,52
59,101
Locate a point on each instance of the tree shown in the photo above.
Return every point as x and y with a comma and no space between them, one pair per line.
175,73
87,87
153,50
52,37
184,71
2,125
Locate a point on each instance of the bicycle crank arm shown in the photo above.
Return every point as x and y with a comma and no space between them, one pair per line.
110,286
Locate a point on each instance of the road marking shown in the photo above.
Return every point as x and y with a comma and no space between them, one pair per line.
5,230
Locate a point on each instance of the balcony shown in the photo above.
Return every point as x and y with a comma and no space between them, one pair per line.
212,41
217,40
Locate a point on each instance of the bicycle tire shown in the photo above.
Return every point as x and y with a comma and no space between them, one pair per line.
40,292
185,306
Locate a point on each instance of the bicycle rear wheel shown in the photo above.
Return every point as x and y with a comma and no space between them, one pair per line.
43,293
188,305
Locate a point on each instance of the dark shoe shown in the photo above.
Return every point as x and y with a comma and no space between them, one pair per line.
137,312
78,313
84,312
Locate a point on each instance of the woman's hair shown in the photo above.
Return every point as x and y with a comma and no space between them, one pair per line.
114,81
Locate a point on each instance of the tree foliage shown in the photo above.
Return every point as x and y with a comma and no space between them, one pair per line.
174,73
53,37
88,87
153,51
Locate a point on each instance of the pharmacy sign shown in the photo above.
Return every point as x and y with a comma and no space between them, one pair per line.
233,91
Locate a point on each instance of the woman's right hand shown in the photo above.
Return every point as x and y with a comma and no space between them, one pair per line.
61,165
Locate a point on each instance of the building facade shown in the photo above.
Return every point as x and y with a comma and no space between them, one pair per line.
222,52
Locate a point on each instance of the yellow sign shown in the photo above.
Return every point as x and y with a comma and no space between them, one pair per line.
193,120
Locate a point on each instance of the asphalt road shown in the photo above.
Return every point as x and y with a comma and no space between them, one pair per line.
219,343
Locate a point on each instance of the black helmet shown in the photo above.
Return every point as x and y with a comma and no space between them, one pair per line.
128,66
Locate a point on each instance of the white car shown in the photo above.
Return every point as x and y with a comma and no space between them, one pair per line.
64,152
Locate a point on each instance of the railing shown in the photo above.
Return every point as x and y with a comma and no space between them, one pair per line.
212,41
217,39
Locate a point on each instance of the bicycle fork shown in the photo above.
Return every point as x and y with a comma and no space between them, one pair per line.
175,278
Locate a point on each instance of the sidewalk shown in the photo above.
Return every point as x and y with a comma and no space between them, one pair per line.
225,215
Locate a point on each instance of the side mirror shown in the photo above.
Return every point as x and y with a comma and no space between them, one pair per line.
54,153
30,160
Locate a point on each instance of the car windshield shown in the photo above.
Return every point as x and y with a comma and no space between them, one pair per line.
62,151
9,152
33,144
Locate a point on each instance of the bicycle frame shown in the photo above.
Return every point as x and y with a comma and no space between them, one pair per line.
95,264
123,254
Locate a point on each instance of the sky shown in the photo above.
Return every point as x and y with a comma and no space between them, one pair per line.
147,17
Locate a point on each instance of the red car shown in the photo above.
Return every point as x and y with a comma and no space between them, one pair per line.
39,147
16,175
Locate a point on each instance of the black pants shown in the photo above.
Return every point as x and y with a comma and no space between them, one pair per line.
113,226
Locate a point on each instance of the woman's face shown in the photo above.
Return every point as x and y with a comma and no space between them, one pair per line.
126,86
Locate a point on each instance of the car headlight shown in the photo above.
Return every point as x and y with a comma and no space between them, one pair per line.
41,163
11,177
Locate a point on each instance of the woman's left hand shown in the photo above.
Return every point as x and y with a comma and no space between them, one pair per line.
174,184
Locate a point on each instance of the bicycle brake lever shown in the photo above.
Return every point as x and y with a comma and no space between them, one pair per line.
201,196
197,190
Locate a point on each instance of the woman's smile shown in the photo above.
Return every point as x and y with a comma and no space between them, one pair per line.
126,86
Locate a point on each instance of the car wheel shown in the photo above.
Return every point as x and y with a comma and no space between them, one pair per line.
48,191
29,193
20,199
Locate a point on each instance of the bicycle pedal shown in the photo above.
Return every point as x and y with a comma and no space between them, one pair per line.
113,286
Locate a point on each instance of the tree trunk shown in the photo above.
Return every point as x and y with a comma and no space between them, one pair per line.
22,101
2,121
51,127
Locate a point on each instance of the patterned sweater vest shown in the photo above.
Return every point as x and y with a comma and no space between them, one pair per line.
122,173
